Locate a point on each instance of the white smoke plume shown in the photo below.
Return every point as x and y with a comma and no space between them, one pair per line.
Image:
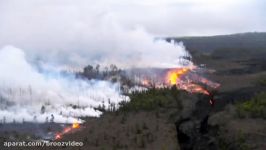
24,91
77,33
58,33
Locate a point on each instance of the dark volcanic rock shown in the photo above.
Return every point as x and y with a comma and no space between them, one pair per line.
193,131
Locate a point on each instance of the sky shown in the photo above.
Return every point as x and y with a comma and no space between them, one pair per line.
195,17
158,17
79,31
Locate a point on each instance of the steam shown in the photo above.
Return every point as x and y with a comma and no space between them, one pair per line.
47,36
75,34
24,91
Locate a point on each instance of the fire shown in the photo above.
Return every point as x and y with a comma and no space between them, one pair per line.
145,82
75,125
175,74
58,136
67,130
193,88
186,79
211,102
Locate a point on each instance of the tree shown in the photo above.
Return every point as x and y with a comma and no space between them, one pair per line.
42,110
88,69
35,118
88,72
52,118
97,68
113,69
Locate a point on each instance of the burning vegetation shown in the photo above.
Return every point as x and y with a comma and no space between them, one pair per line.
145,81
187,79
68,129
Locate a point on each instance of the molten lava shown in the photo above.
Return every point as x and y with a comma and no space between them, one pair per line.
187,79
184,79
75,125
173,76
58,136
193,88
145,83
66,130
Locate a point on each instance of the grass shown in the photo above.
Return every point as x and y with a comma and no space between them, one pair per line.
261,81
254,108
238,142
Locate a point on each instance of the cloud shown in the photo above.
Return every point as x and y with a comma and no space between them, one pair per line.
196,17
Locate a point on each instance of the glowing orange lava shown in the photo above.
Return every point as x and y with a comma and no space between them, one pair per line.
173,76
186,78
75,125
211,102
181,77
193,88
68,129
58,136
145,82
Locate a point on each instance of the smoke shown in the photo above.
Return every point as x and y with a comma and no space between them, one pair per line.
30,95
47,35
82,32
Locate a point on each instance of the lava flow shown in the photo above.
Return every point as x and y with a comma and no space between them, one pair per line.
67,130
187,79
174,75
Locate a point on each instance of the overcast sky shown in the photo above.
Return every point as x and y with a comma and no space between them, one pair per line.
158,17
195,17
119,31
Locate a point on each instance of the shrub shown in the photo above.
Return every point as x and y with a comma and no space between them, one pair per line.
261,81
151,99
256,107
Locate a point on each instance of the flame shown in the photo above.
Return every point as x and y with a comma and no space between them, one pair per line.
186,79
58,136
211,102
145,82
173,76
193,88
66,130
75,125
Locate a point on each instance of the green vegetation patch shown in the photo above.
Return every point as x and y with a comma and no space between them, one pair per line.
237,142
255,108
262,81
152,99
